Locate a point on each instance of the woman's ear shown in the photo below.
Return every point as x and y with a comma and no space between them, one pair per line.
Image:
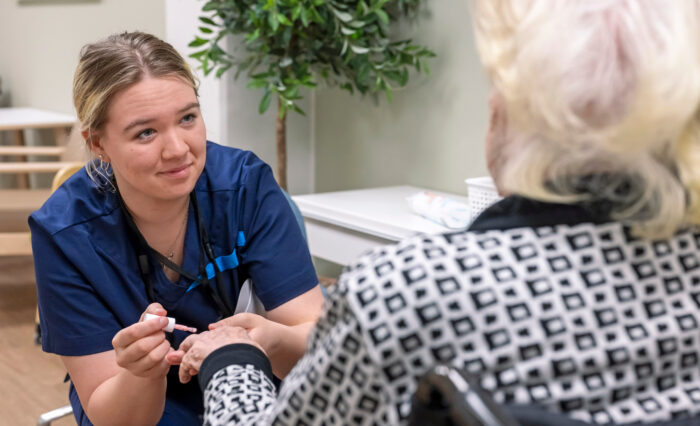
94,143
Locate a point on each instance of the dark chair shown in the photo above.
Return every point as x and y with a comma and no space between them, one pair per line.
448,396
297,213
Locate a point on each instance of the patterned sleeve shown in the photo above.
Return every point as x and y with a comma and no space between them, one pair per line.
238,394
336,381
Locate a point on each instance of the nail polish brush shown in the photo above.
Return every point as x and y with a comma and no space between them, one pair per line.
171,324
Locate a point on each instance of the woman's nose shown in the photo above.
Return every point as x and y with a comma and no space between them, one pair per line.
175,145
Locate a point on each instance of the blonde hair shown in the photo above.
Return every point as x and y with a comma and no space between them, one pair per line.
600,85
109,66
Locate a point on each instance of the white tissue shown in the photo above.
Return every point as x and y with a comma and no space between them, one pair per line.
440,209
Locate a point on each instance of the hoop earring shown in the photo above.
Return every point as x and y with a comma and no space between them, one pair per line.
104,170
103,165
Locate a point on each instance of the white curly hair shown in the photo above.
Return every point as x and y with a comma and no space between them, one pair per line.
600,85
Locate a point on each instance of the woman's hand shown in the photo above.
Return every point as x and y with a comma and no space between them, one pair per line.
265,332
141,348
195,348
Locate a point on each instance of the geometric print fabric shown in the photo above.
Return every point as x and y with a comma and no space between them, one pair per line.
581,319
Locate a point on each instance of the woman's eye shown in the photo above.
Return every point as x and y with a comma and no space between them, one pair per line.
188,118
145,134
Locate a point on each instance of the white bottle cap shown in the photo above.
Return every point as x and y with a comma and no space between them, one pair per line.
171,321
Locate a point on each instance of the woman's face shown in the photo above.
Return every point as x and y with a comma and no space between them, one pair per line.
155,139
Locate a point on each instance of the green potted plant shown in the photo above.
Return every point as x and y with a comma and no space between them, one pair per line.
293,44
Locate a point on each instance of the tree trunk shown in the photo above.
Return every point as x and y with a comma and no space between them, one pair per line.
281,128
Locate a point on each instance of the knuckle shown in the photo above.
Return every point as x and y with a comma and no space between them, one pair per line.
142,346
154,357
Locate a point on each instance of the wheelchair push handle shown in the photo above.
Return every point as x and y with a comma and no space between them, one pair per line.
449,396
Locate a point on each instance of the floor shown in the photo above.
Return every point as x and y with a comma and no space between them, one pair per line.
32,381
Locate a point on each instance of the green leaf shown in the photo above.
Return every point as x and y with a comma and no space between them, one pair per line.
348,87
359,50
381,3
205,30
305,18
263,75
251,37
273,21
212,5
382,16
285,62
356,24
265,102
298,110
347,31
315,16
198,55
222,70
257,84
284,20
197,42
363,73
207,21
343,16
426,68
296,12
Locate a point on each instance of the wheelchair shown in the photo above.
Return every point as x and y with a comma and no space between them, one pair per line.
449,396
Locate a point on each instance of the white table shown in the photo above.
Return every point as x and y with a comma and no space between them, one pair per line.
341,225
18,120
32,118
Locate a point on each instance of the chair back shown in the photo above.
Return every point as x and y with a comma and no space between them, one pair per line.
63,175
297,213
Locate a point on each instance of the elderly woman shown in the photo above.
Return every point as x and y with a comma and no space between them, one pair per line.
578,293
162,222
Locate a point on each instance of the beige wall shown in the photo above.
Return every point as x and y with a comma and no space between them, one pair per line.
40,43
430,136
247,129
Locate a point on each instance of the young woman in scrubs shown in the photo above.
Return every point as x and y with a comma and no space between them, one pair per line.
161,221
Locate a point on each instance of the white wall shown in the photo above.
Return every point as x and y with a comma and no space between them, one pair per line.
40,43
430,136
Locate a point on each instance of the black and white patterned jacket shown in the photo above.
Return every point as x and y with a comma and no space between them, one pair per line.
548,304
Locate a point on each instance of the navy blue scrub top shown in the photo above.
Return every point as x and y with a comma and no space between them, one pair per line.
89,285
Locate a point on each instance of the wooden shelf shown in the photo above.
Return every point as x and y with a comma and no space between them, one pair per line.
23,200
54,151
15,244
35,167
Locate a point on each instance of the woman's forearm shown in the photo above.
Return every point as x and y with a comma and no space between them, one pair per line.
289,348
127,399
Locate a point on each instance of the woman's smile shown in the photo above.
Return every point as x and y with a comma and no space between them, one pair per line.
178,172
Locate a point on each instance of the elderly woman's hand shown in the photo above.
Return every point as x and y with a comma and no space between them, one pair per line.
195,348
265,332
